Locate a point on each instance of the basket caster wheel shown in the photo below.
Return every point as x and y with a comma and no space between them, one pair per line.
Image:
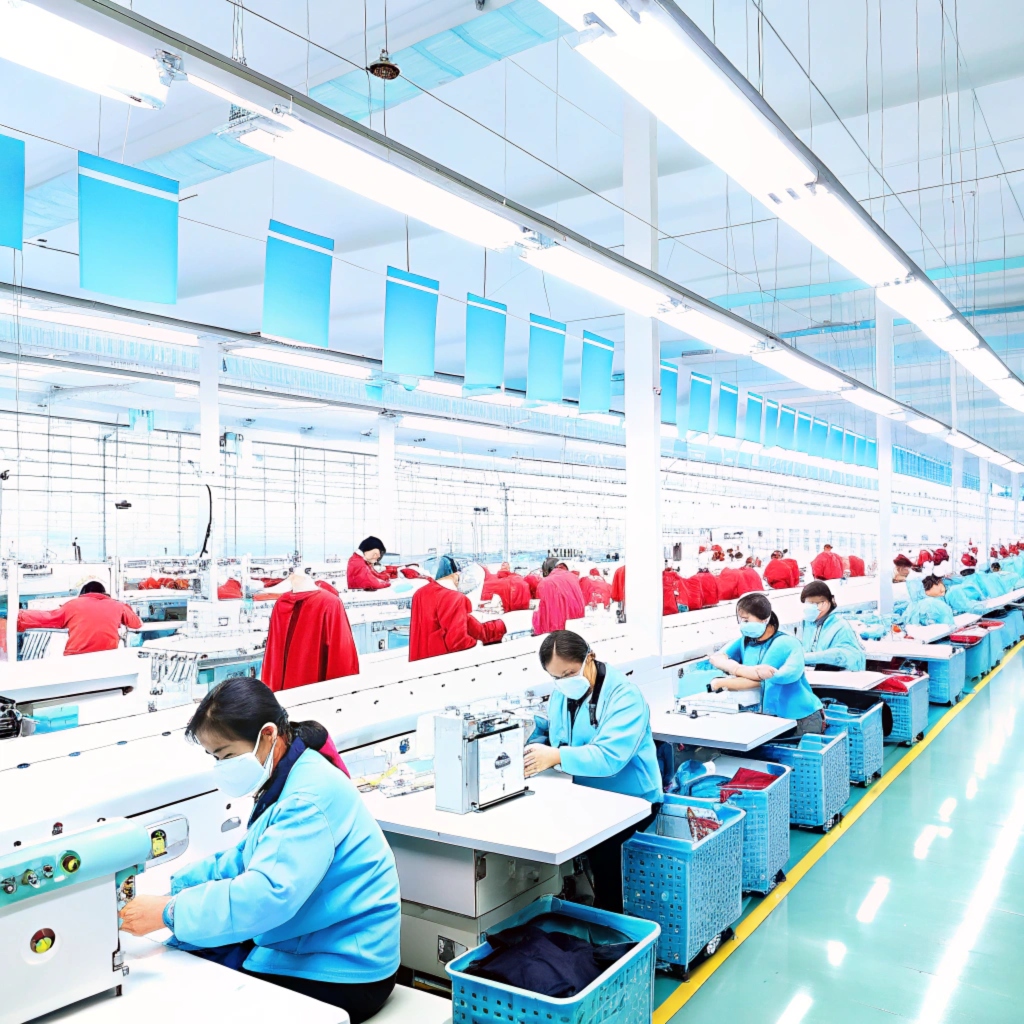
712,947
827,827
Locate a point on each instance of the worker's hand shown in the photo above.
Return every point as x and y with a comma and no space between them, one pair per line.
538,757
144,914
723,683
765,671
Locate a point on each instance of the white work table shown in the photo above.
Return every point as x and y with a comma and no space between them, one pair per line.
883,650
56,678
845,680
169,984
742,731
929,634
550,825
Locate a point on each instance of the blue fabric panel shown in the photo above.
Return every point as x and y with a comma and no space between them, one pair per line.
546,362
410,324
127,238
787,428
699,415
297,287
12,191
872,453
834,445
849,447
819,437
752,421
485,343
771,424
596,373
803,433
728,400
860,451
669,393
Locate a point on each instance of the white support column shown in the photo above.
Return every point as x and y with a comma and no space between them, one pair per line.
1015,487
644,551
387,492
958,468
986,506
209,454
885,383
11,564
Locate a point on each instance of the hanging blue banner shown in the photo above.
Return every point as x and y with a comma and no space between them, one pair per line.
860,451
669,393
872,453
834,445
485,344
849,445
787,428
546,361
771,423
410,324
297,285
803,433
12,191
819,437
596,373
728,404
752,420
698,417
127,231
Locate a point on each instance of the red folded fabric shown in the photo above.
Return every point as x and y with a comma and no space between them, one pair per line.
746,778
966,639
410,574
894,684
991,624
230,591
700,827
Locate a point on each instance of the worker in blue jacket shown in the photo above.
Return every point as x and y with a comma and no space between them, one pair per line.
828,639
766,658
598,731
928,607
309,899
962,597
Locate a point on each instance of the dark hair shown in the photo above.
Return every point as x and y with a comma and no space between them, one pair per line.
818,589
759,606
995,567
371,544
548,566
92,587
931,581
566,644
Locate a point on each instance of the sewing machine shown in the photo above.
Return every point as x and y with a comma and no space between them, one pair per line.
59,901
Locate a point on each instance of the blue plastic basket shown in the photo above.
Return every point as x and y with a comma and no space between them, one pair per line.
766,826
946,678
996,638
865,735
692,889
1013,622
624,994
909,712
820,784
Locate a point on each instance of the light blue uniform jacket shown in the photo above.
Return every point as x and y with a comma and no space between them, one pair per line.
313,883
961,598
832,641
787,694
619,754
926,611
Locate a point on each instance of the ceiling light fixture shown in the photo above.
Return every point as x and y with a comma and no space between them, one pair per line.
983,363
787,362
923,425
302,361
59,48
872,401
462,428
26,310
958,440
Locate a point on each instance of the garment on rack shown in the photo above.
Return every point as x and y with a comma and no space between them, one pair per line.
857,565
550,963
560,600
363,576
750,581
827,565
777,574
673,593
442,622
694,594
309,640
619,584
92,621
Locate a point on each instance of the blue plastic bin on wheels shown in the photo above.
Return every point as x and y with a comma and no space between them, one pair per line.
691,887
946,677
909,710
864,727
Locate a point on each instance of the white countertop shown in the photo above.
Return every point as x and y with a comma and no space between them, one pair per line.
929,634
551,824
742,731
170,985
883,650
845,680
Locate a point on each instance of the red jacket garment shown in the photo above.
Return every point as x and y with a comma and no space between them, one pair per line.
827,566
533,582
694,594
777,574
794,571
751,581
856,565
560,599
309,640
441,623
91,620
230,591
363,576
673,592
708,588
596,590
619,584
729,581
511,589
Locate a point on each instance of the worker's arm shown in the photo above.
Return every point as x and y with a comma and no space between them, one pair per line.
226,864
129,618
623,727
490,632
41,620
791,670
288,862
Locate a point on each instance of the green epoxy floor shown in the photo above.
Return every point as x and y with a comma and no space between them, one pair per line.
944,944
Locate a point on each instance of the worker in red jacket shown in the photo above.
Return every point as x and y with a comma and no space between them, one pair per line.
560,597
827,565
751,580
442,620
708,587
777,572
694,595
510,588
673,593
729,582
93,620
596,590
362,571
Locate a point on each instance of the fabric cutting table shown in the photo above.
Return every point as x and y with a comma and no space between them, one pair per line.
844,680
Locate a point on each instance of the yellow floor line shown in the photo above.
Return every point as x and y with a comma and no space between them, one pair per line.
687,989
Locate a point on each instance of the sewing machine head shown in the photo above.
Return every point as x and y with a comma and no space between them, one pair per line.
59,901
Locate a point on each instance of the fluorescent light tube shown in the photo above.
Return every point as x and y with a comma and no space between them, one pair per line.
1014,467
59,48
293,141
983,363
925,425
301,361
789,363
226,94
1008,387
981,450
24,310
1014,403
958,440
719,332
951,335
462,428
998,459
917,301
872,401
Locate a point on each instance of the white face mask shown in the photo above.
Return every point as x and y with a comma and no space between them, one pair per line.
575,687
239,776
